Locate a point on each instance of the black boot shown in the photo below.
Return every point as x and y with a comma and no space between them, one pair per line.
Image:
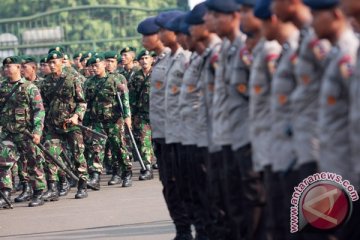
155,166
73,183
81,193
37,199
52,194
64,186
183,236
19,187
201,237
95,181
146,174
26,193
115,179
127,178
7,194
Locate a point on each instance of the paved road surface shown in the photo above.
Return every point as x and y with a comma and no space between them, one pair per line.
134,213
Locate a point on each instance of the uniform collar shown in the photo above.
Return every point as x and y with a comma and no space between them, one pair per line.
22,80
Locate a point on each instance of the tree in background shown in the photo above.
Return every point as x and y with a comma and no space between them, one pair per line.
22,8
95,24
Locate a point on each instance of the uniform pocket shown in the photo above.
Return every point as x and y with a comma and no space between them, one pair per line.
20,118
106,112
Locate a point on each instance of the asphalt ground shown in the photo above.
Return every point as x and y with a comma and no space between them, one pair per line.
134,213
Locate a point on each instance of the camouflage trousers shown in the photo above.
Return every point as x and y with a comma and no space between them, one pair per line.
142,134
117,144
56,144
22,169
8,158
52,172
94,149
15,170
26,149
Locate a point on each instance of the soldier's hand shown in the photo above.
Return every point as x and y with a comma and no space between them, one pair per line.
128,122
74,120
36,138
121,87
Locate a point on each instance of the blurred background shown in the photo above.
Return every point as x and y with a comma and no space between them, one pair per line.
32,26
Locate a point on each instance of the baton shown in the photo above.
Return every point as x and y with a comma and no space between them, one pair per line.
131,134
57,162
89,130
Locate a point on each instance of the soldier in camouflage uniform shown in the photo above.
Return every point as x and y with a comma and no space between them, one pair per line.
67,67
66,61
29,70
106,118
111,60
139,104
23,111
8,158
84,71
93,145
77,64
44,67
128,55
64,186
65,107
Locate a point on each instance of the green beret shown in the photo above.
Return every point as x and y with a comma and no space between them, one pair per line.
77,54
98,53
57,48
28,59
66,57
43,60
86,55
143,53
98,57
12,60
54,55
128,49
111,54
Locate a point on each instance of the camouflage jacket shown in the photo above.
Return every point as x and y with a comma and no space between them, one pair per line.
89,89
128,74
72,70
63,97
102,100
38,81
139,95
24,110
